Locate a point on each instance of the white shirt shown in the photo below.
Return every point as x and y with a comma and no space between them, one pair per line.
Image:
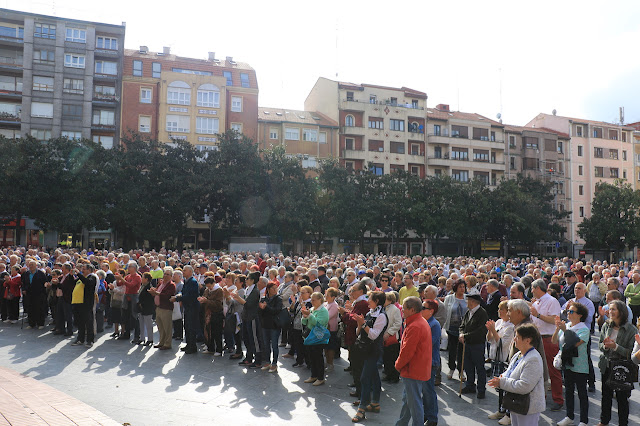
546,305
473,311
248,290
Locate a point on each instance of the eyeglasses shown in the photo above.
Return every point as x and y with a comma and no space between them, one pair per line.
571,311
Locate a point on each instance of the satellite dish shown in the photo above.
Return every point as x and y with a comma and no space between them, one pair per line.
498,116
554,112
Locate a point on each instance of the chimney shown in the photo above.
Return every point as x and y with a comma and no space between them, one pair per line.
442,107
166,50
212,56
230,59
144,49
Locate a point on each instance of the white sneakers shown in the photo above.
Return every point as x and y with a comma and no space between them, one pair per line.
506,420
496,416
217,354
566,422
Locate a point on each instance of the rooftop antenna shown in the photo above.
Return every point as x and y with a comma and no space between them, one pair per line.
621,115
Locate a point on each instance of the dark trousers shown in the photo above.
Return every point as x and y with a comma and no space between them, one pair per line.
370,386
474,363
607,399
237,339
52,304
11,309
252,334
298,347
37,303
389,356
317,361
573,380
213,332
64,316
130,315
84,317
592,373
177,329
191,326
285,334
357,364
100,318
271,350
635,310
455,351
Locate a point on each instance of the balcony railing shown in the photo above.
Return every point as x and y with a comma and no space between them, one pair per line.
7,60
386,102
7,116
351,129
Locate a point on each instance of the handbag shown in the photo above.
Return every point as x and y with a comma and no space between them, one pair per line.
177,314
282,319
392,340
318,335
557,361
497,366
341,334
623,373
516,402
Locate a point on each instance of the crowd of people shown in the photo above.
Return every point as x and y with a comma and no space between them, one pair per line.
523,326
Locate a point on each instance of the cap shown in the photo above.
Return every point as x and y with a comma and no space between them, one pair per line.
203,265
474,296
569,274
362,272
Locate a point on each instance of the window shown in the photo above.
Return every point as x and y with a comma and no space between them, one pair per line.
550,145
376,123
377,146
460,154
581,211
178,123
393,101
512,162
73,61
597,132
598,152
105,141
580,171
460,132
638,176
72,85
414,103
579,150
482,177
273,133
624,155
108,43
349,143
104,91
41,135
415,170
292,134
414,127
349,166
10,83
106,67
244,79
377,169
480,134
373,99
350,96
560,147
179,93
460,175
43,84
613,134
396,125
236,104
438,172
599,171
322,137
208,126
145,95
580,190
46,57
309,162
414,149
613,154
437,152
194,72
395,168
137,68
45,31
396,147
156,69
624,136
530,164
481,155
436,130
493,136
310,135
614,172
144,124
104,117
228,76
72,112
42,109
624,174
579,131
12,31
208,96
349,121
237,127
71,135
530,142
76,35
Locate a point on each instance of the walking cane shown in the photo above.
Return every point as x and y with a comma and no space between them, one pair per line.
464,346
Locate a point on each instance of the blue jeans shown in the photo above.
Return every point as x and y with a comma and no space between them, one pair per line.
429,397
370,382
270,338
412,405
474,362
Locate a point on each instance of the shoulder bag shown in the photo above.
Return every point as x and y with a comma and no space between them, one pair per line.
497,365
623,373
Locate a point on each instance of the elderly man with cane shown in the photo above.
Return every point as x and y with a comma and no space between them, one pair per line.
473,335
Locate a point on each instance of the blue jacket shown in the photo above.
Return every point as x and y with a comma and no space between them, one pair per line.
190,294
436,332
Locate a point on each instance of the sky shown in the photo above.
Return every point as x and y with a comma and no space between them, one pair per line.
517,58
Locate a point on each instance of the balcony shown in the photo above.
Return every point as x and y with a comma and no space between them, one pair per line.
10,94
105,100
105,77
352,154
106,53
354,105
439,161
104,127
9,64
352,130
7,39
9,120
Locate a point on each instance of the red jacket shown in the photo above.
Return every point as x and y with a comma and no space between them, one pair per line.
360,308
13,286
414,361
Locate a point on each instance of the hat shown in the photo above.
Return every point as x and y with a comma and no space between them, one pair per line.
569,274
362,272
415,274
474,296
203,265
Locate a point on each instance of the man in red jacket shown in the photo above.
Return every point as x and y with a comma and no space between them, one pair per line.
414,361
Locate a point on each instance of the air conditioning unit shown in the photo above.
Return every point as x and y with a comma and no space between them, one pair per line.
305,157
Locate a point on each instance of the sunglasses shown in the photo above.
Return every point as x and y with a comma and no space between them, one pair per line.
571,311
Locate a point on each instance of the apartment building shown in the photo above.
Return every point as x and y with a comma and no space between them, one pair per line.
636,154
168,97
60,77
310,136
465,146
598,152
381,128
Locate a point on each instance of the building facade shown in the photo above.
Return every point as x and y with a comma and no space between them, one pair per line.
598,152
168,97
381,128
465,146
310,136
636,154
60,77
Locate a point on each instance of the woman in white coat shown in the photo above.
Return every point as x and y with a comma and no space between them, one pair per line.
524,376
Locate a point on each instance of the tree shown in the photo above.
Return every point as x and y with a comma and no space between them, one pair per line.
615,218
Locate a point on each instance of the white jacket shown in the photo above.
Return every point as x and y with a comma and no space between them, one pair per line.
395,319
527,378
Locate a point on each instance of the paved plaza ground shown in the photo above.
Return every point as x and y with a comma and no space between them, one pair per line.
143,386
